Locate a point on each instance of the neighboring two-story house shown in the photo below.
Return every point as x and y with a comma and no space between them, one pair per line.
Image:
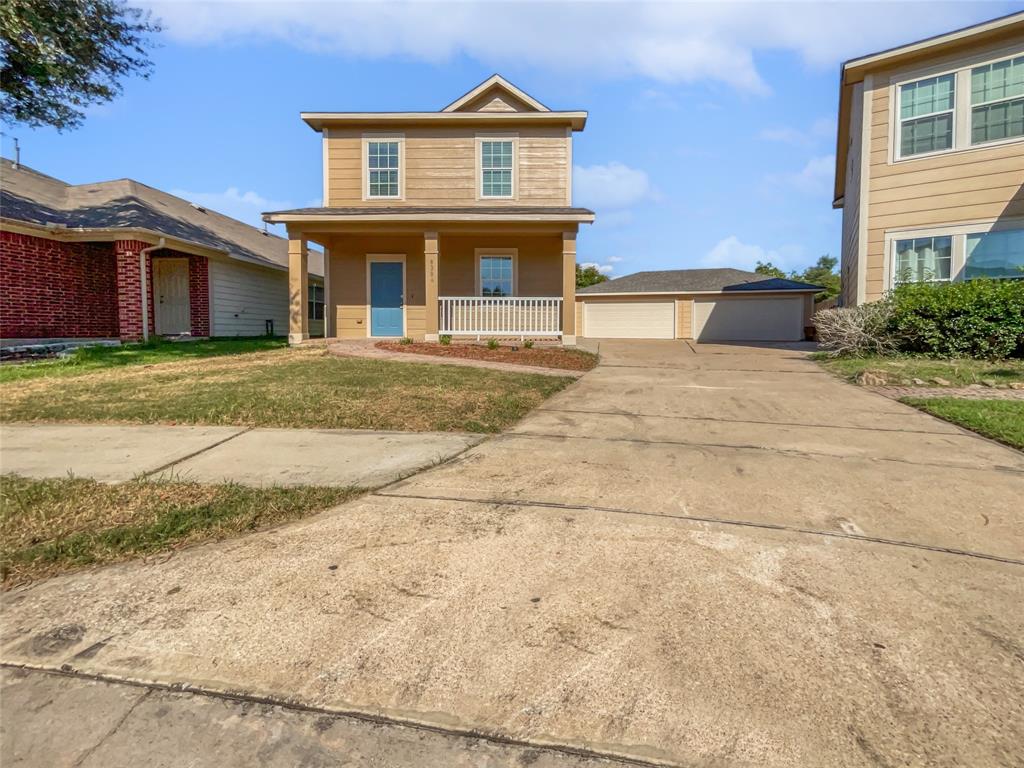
930,161
458,222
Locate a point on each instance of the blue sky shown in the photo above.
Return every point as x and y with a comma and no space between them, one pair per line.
710,140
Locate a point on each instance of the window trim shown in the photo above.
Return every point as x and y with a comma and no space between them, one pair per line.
478,147
480,252
958,253
365,159
961,104
972,106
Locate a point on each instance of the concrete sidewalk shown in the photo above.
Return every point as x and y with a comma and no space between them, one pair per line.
256,457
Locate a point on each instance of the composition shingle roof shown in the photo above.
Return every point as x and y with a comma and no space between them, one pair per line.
697,281
29,196
421,210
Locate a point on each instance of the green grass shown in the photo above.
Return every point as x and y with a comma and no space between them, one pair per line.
286,388
57,525
90,359
1002,420
902,370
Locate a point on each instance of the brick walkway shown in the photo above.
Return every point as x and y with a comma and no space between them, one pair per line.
967,393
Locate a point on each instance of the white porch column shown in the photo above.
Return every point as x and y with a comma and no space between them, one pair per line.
298,288
569,288
431,259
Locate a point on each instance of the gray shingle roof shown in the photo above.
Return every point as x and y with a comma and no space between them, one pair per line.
697,280
383,210
35,198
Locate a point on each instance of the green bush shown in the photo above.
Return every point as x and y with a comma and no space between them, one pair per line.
528,344
405,340
979,318
492,344
445,339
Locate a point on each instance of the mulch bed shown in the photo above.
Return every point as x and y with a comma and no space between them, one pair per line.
543,357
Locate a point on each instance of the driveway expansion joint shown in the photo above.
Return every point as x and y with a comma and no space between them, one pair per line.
707,519
350,714
192,455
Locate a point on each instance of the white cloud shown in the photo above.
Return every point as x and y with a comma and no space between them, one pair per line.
245,206
610,186
666,42
731,252
604,269
815,178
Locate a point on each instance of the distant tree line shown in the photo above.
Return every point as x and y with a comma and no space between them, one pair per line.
821,273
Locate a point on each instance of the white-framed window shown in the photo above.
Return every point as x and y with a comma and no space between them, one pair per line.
496,272
956,252
923,259
980,104
998,254
383,158
497,167
927,115
997,101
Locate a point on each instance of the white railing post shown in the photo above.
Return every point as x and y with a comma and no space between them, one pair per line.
481,316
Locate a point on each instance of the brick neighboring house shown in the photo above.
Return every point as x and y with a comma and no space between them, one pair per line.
76,261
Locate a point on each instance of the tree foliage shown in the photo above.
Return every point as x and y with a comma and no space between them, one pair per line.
60,56
821,273
589,275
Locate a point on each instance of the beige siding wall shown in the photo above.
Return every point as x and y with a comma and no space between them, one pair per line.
244,297
977,185
440,167
539,263
349,300
849,272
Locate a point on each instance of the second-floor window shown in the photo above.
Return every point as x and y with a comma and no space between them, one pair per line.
954,111
382,159
496,176
926,115
997,101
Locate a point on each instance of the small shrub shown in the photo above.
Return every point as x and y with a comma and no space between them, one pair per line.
978,318
862,330
445,339
405,340
492,344
528,344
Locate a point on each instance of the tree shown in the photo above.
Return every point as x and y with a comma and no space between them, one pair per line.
769,269
59,56
822,273
588,275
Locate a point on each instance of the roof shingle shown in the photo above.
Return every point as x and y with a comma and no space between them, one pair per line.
697,281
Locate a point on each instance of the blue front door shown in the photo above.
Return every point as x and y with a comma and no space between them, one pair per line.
386,298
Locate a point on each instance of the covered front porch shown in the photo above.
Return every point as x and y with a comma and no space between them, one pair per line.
456,279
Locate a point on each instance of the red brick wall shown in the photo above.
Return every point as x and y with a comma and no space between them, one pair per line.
199,294
50,289
129,289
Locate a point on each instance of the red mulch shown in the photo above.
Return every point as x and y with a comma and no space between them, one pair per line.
544,357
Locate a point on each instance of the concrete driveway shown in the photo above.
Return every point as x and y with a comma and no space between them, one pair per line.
716,555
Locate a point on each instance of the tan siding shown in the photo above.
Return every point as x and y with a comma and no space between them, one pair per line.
684,318
849,268
979,184
440,167
539,263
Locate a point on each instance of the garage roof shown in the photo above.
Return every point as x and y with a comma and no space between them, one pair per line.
697,281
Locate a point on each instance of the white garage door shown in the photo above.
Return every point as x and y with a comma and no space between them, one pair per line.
629,319
743,319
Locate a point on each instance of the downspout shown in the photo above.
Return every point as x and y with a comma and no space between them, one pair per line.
143,282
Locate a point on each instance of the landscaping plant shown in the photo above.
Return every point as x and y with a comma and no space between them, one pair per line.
849,331
492,344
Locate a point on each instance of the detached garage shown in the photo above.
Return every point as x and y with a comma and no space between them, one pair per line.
700,304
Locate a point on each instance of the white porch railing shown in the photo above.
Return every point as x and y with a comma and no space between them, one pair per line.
500,316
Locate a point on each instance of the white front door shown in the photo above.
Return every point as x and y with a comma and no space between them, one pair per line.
170,296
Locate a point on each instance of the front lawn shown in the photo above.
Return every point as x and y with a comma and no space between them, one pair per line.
58,525
89,359
902,370
286,388
1002,420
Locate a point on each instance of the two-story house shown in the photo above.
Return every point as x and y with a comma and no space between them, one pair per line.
458,222
930,161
